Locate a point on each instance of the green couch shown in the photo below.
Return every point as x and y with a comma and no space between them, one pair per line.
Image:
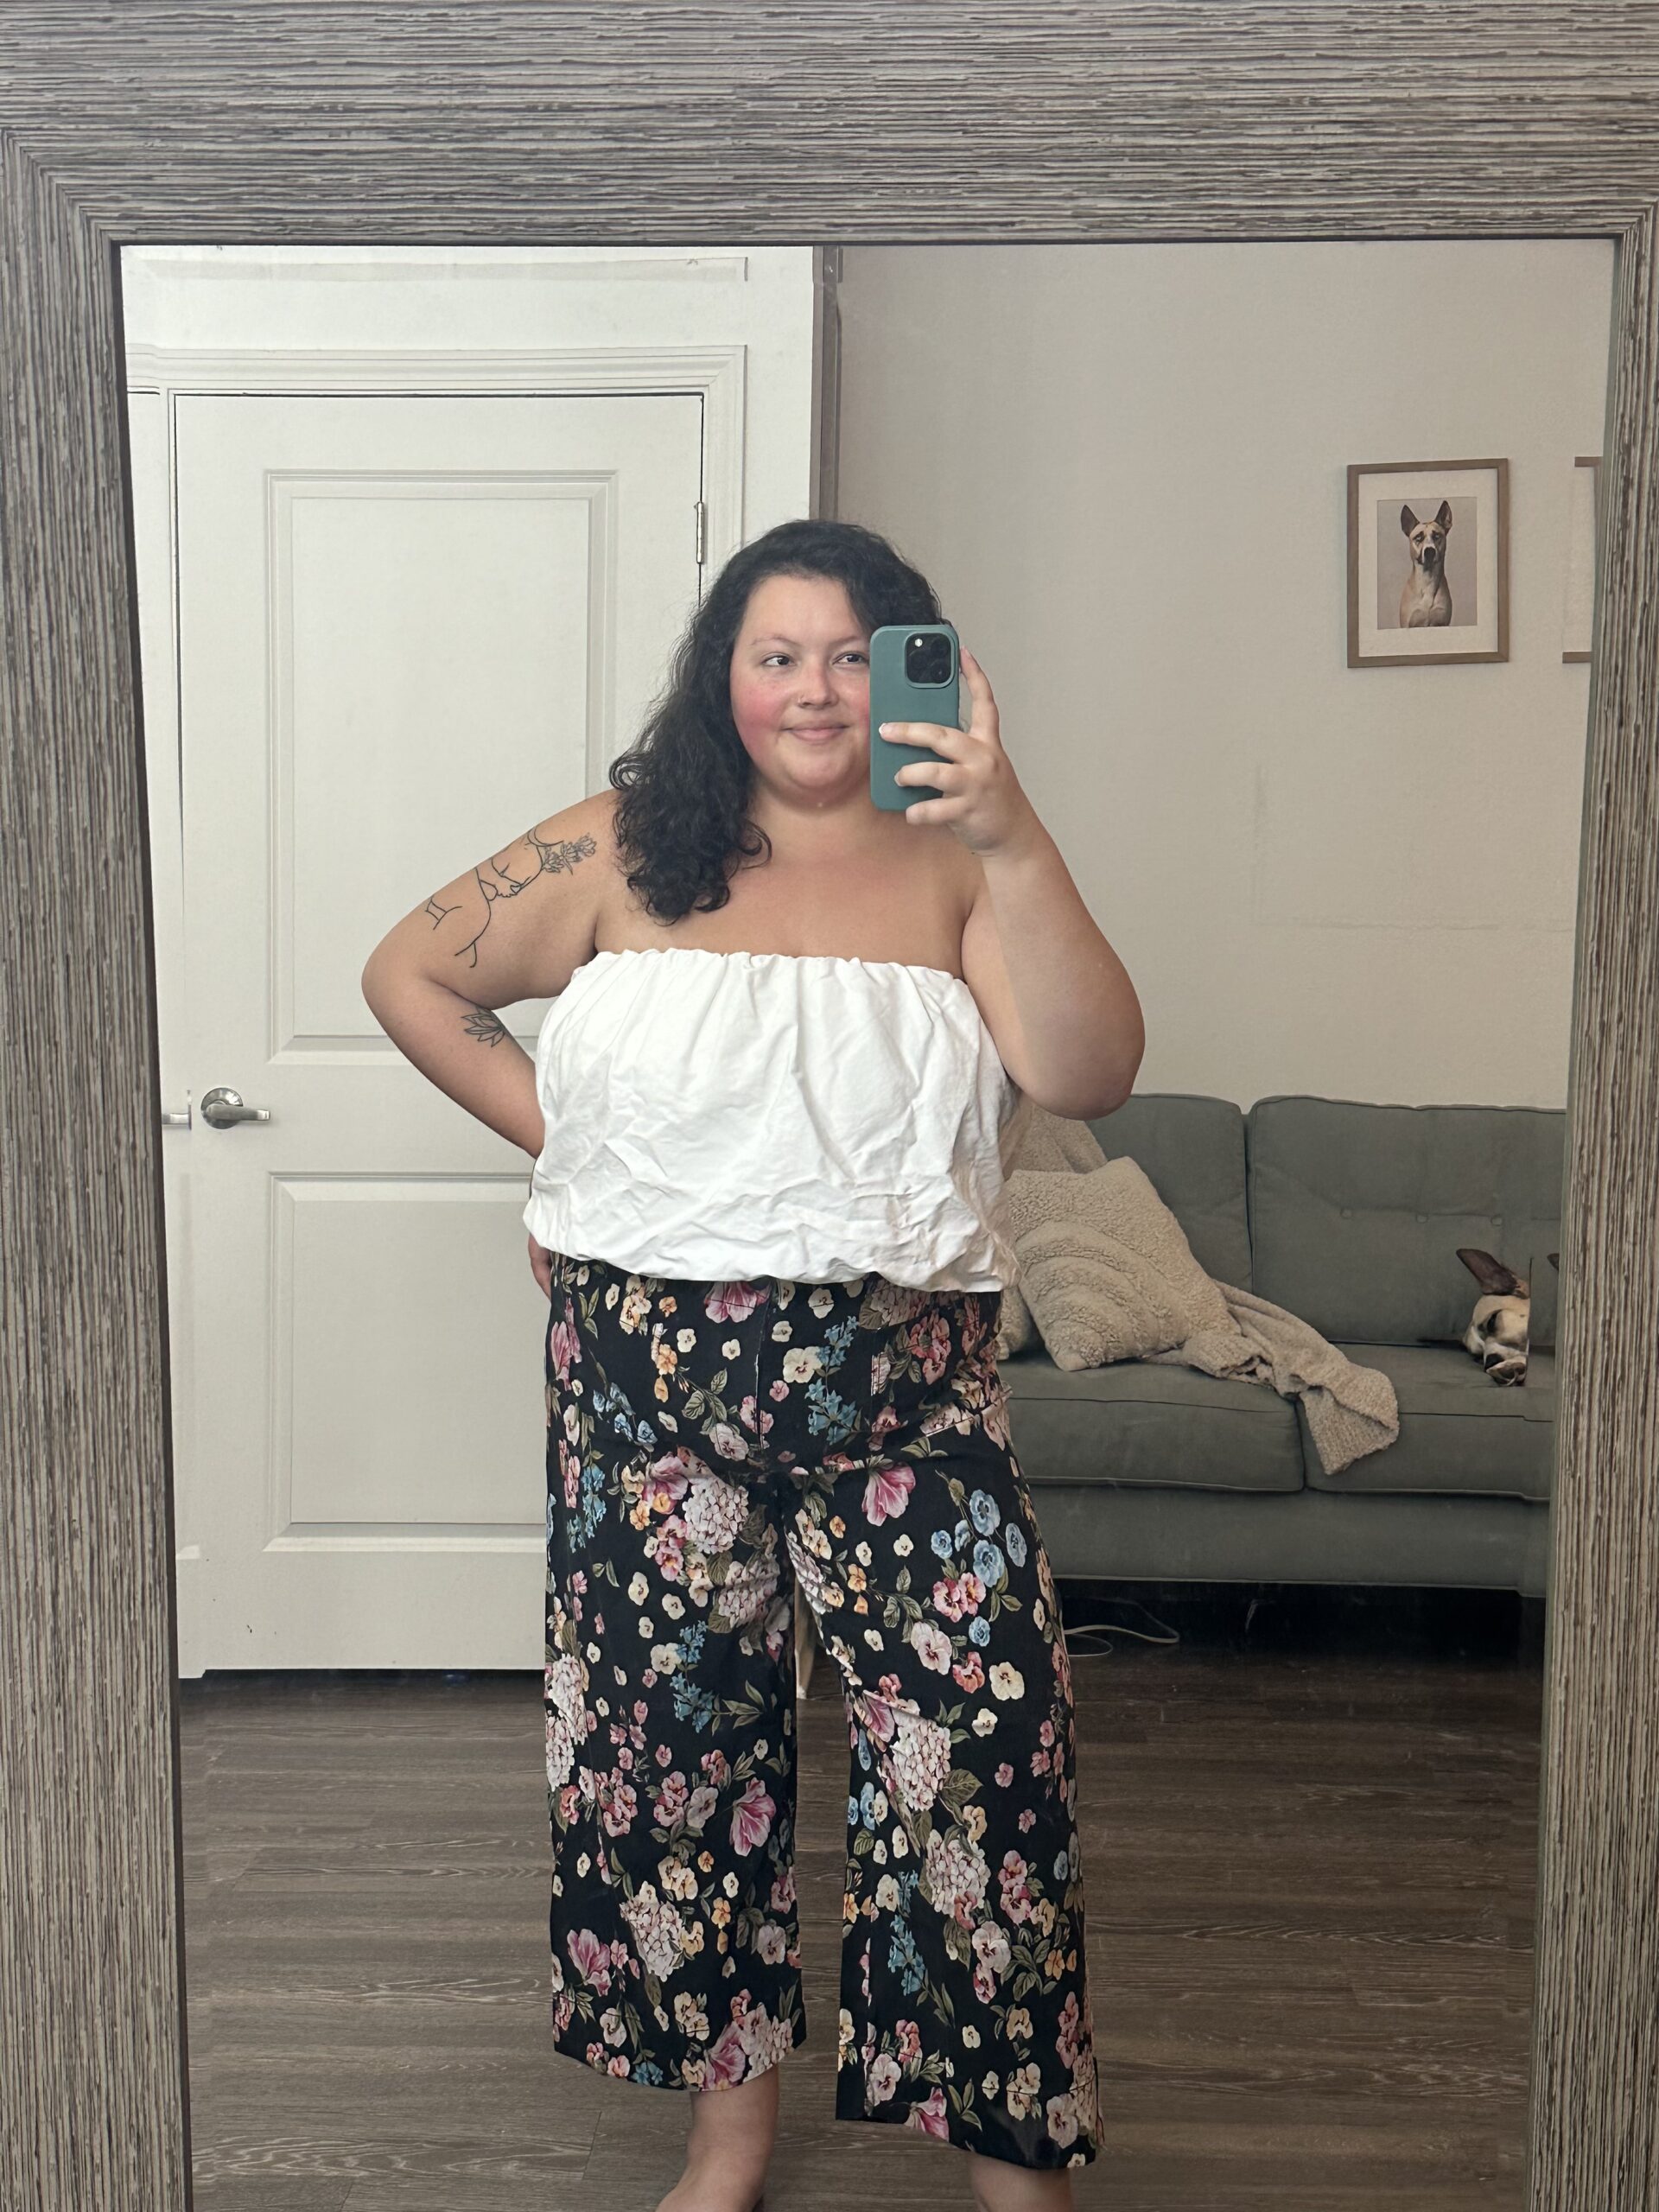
1347,1215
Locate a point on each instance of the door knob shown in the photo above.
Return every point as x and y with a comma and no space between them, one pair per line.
224,1108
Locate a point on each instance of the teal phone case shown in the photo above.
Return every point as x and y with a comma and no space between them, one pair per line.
893,698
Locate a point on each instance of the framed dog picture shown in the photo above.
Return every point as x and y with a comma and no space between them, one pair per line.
1428,562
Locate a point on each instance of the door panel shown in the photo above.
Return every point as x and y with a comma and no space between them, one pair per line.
409,627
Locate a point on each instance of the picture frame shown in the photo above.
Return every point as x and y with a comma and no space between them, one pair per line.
1428,562
1579,571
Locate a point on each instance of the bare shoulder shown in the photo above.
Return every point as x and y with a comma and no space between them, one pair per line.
608,881
593,814
582,838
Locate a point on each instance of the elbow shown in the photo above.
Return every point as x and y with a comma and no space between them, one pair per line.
1093,1106
1126,1089
1122,1089
372,982
1099,1107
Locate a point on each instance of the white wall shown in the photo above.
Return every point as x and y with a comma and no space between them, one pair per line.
1124,470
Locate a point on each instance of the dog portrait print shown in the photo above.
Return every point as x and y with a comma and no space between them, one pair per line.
1428,562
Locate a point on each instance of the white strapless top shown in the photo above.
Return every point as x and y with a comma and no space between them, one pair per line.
723,1115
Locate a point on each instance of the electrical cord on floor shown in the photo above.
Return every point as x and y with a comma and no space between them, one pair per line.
1164,1634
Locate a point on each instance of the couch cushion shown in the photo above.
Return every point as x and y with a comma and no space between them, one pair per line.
1357,1210
1459,1433
1191,1150
1137,1421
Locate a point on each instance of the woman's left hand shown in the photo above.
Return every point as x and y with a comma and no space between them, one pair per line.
983,802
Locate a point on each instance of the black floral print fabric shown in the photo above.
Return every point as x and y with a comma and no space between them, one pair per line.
708,1446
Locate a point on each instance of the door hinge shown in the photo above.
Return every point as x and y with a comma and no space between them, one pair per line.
702,514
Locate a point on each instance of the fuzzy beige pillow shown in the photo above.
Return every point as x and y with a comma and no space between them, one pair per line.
1047,1144
1015,1327
1105,1267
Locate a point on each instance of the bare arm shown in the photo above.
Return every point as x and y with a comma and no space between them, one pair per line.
516,926
467,1049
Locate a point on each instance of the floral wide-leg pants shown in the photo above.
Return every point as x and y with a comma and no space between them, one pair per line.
709,1445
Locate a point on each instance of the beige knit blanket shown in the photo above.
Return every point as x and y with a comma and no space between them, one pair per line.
1105,1273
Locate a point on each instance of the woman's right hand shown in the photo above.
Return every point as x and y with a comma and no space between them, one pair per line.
541,1266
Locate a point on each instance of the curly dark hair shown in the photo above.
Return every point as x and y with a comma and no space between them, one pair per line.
686,781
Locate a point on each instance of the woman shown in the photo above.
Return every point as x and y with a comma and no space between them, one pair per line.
768,1111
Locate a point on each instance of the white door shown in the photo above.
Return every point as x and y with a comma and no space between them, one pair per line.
409,627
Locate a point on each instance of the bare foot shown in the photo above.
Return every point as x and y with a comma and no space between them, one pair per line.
1001,2186
704,2188
728,2147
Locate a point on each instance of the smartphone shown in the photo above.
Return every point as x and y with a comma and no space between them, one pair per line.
915,676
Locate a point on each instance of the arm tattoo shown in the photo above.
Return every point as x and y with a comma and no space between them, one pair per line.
499,878
487,1026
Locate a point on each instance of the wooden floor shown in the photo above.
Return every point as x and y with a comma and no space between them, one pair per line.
1309,1834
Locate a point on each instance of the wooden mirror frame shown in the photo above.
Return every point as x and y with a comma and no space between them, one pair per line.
987,122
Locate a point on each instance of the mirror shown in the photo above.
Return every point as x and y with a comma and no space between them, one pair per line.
417,534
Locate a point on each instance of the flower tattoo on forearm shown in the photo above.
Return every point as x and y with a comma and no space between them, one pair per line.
484,1023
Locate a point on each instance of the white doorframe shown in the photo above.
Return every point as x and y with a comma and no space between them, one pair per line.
753,334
